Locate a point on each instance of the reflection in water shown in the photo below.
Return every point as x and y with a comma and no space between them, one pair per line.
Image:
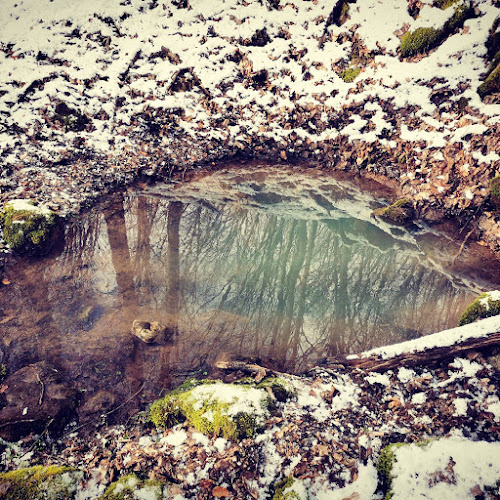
286,271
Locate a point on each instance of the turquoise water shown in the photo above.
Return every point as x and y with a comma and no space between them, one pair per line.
283,267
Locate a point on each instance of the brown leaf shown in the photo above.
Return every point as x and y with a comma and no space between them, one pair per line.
3,388
394,403
220,492
5,281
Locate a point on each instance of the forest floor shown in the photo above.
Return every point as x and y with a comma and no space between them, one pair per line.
95,95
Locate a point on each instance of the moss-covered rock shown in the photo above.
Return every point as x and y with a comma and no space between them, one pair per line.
27,228
424,39
495,192
214,408
281,389
290,489
130,487
400,212
350,74
39,483
419,41
486,305
386,462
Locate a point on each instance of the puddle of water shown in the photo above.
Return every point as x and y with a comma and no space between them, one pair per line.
287,267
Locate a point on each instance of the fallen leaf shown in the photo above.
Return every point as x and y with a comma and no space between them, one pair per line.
220,492
3,388
5,281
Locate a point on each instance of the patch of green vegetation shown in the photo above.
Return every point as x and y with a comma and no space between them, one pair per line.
26,230
400,212
130,487
491,84
444,4
419,41
284,490
495,192
350,74
3,371
281,389
199,403
386,462
37,483
422,40
483,307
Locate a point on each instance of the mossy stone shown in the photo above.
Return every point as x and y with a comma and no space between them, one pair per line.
280,388
495,192
486,305
27,228
284,490
419,41
422,40
386,462
40,483
444,4
350,74
205,405
401,212
130,487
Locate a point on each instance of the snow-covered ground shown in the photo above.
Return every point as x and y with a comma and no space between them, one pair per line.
329,438
133,81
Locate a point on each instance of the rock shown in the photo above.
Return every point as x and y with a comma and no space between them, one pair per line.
28,228
401,212
54,482
486,305
150,332
36,397
234,411
99,403
131,486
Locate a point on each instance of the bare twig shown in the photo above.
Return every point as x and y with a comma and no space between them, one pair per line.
461,247
40,401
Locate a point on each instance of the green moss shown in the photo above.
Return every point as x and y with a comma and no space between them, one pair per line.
491,84
419,41
350,74
37,483
483,307
422,40
495,192
386,462
203,409
3,371
281,493
444,4
130,487
27,230
401,212
281,389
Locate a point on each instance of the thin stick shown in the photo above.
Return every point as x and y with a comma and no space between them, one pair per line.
40,401
125,402
461,247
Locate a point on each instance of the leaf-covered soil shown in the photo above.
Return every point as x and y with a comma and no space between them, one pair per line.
94,94
329,437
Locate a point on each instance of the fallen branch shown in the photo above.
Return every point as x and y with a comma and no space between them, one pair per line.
461,247
424,357
259,372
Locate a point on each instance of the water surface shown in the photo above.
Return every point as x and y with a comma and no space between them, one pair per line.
281,266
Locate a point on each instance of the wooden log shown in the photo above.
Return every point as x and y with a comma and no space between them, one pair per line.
420,358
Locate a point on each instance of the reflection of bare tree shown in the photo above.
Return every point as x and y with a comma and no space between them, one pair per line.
120,252
175,209
145,214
